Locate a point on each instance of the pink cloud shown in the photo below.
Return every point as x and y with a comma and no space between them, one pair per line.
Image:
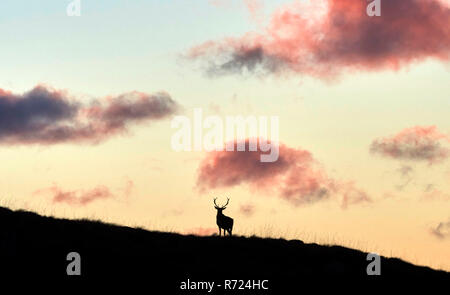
352,195
77,197
296,176
47,116
255,8
324,38
417,144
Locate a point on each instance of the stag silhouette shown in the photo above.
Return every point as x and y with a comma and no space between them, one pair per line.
223,222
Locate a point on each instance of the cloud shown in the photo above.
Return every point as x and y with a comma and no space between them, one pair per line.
434,194
201,231
128,189
247,209
352,195
293,175
77,197
255,8
405,171
429,187
296,176
416,144
442,230
324,38
47,116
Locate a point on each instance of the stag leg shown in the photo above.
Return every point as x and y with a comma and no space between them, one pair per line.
220,231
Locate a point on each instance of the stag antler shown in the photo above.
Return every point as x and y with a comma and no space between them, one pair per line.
221,207
228,200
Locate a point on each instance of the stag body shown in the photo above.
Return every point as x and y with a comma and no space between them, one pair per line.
223,222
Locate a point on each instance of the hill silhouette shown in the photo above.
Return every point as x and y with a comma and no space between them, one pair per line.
35,246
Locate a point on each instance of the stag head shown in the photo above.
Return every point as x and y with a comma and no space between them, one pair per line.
220,208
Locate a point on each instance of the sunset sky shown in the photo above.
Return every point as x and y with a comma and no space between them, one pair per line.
86,104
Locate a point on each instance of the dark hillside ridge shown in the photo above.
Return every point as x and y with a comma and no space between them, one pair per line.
35,246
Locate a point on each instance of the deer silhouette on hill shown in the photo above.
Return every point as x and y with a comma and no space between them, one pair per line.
223,222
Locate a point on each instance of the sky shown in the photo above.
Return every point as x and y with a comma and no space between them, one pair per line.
87,104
